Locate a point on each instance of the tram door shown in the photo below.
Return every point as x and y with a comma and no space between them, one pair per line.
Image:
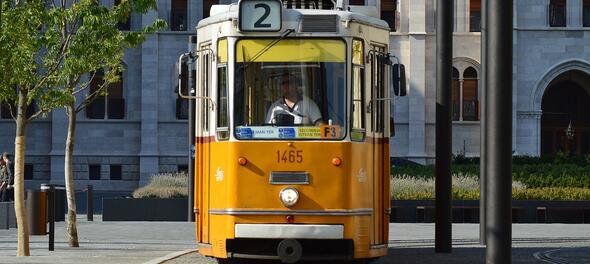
378,146
203,144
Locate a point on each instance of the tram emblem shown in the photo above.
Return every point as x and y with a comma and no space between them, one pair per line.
219,174
362,176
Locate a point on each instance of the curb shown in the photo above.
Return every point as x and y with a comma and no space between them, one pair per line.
170,256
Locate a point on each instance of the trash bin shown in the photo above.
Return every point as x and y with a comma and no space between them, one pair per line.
60,200
37,212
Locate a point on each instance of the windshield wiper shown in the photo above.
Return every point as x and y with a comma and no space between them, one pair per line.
267,47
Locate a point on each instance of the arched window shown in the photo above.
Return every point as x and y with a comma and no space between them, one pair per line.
456,95
465,99
470,101
106,106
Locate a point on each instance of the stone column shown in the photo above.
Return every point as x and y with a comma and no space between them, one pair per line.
528,134
417,80
148,156
574,13
461,20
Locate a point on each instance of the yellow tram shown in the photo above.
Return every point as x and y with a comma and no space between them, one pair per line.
292,131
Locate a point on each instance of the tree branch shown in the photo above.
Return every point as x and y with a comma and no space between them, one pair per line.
90,98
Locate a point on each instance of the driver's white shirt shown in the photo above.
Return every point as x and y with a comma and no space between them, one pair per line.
304,112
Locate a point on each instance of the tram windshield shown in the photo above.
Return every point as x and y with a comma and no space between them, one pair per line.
291,89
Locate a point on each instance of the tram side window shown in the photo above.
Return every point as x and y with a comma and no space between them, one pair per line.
205,88
222,99
378,91
222,114
358,91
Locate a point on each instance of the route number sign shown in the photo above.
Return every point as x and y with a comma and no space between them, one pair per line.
260,15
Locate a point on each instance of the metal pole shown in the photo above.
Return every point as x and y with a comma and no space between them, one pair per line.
89,203
51,215
482,126
499,137
444,66
191,131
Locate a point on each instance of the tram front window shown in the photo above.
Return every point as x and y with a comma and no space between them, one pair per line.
294,89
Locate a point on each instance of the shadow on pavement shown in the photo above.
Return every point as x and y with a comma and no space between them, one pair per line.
577,255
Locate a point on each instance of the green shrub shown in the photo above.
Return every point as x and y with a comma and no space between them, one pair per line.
467,188
533,175
550,175
565,194
164,185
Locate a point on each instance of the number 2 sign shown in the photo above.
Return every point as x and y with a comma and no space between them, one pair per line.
260,15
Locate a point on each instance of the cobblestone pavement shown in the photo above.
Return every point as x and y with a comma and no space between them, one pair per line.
414,243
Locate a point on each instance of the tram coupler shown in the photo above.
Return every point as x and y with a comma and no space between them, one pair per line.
289,251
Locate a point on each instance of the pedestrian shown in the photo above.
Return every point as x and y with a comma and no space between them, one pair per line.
6,178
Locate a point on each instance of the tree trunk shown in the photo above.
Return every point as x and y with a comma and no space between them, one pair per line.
69,177
19,182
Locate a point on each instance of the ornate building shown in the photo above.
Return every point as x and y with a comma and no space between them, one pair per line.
140,128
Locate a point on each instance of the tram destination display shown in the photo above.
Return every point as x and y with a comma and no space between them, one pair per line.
260,15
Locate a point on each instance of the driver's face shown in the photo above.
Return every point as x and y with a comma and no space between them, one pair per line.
286,84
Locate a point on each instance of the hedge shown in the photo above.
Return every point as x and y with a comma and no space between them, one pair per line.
532,175
556,194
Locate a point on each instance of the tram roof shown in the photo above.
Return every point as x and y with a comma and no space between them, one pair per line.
221,13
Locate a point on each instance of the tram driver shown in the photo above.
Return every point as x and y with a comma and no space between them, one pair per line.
293,108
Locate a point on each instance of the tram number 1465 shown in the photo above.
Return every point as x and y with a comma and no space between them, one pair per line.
289,156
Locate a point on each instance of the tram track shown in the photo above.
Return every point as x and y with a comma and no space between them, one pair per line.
545,256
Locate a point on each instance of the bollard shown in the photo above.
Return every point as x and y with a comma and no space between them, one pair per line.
89,204
51,215
59,195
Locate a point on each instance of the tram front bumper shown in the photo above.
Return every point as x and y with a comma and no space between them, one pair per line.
286,231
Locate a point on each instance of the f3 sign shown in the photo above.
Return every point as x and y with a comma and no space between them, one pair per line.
260,15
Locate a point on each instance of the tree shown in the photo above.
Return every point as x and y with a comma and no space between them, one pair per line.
88,38
47,49
24,79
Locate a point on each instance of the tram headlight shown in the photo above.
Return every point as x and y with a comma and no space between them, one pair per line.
289,196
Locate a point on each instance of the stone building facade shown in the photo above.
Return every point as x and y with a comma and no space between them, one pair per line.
551,69
551,55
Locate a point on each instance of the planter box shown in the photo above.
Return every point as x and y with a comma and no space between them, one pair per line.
422,211
148,209
7,217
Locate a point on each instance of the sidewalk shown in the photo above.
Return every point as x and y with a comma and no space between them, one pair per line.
104,242
156,242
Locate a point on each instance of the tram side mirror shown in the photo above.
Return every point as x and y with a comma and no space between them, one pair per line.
399,80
